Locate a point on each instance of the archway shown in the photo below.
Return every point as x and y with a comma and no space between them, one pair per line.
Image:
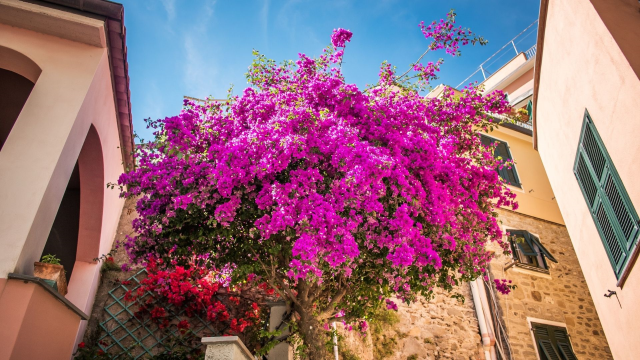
75,234
18,75
14,92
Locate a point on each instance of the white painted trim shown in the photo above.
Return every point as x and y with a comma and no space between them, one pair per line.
516,189
521,270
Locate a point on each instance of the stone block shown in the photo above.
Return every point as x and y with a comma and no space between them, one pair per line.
226,348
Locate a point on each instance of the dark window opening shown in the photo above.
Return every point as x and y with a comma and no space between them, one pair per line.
63,237
14,92
507,172
528,251
553,342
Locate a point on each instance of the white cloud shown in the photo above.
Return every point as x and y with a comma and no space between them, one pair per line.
200,70
170,8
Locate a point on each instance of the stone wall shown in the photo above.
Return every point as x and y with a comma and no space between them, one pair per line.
561,296
442,328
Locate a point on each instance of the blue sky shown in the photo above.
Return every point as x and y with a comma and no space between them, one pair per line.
199,48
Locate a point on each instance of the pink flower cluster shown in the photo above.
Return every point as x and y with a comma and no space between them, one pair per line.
340,37
428,73
446,36
503,286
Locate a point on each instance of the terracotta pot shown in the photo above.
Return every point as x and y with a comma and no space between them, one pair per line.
52,272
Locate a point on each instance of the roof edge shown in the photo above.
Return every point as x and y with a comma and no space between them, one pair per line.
115,34
542,25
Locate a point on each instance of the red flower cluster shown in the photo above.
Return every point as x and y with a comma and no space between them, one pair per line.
197,291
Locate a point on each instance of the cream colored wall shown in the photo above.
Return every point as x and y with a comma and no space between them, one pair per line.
505,70
582,67
536,197
73,92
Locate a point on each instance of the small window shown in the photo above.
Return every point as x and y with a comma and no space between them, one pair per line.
553,342
528,252
507,172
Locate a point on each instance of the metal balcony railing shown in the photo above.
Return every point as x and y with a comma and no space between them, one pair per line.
531,52
525,39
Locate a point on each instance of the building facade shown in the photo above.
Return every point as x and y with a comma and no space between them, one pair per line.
586,127
550,314
65,131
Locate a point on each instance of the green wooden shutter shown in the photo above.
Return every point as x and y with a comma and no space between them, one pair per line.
543,250
562,340
546,348
502,150
612,211
530,108
553,342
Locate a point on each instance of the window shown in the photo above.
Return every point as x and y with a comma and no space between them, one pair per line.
507,173
552,342
612,211
528,252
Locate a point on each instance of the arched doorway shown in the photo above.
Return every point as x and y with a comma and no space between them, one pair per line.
18,75
75,234
14,92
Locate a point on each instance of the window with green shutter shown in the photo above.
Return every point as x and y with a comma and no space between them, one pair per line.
507,172
528,252
612,211
552,342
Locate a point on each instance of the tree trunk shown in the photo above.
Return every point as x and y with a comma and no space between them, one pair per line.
313,335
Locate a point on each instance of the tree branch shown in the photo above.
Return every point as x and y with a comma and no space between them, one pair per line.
414,64
328,310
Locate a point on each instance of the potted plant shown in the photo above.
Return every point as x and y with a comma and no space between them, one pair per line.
51,271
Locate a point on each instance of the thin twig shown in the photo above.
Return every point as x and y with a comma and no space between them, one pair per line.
414,64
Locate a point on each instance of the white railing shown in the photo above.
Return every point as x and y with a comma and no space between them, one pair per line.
526,37
531,52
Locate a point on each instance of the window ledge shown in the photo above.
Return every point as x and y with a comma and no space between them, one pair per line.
51,290
629,265
530,270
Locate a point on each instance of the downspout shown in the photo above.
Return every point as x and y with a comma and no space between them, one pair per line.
486,339
484,298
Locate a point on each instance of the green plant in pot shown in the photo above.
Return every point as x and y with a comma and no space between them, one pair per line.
52,272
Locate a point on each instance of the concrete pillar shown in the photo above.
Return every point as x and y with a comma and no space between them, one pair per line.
282,351
226,348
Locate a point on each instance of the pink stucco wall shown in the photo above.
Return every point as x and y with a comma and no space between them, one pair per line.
72,94
583,67
46,327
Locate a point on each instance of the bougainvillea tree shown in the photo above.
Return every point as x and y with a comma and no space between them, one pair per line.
342,199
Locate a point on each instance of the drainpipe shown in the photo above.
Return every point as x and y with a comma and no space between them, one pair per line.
484,299
486,339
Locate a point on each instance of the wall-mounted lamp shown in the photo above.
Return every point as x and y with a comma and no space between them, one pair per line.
610,293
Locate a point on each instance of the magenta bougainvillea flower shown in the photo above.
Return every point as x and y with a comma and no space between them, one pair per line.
340,37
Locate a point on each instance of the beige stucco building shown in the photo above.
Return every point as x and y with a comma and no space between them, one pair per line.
65,131
586,129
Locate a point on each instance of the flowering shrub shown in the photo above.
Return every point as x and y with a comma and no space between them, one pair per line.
197,291
339,198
